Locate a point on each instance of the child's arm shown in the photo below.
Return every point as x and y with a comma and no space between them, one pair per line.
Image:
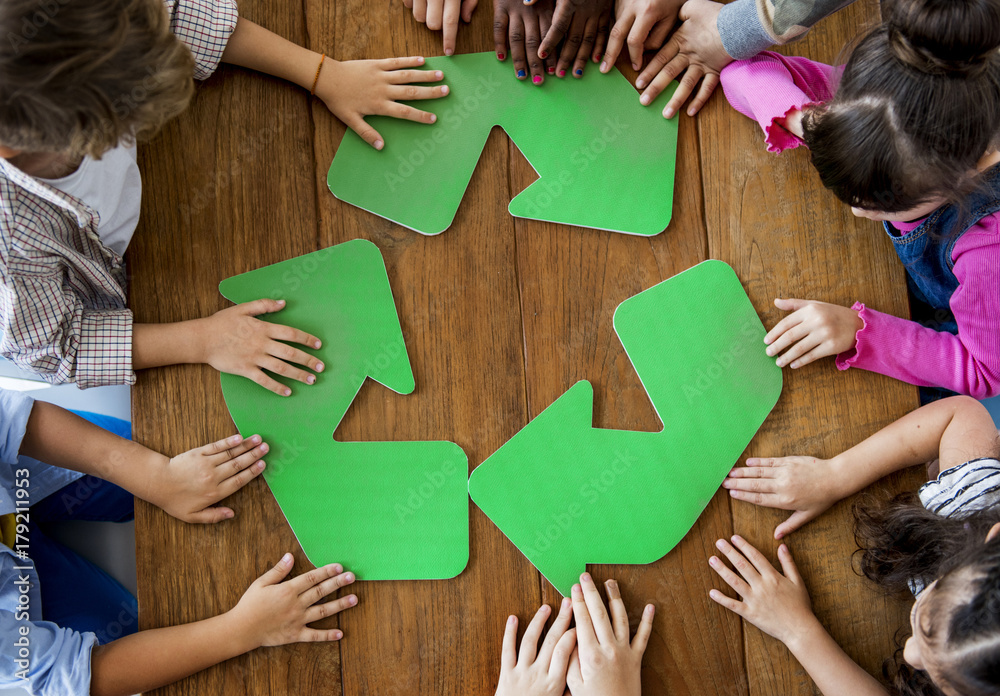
779,605
443,14
956,430
187,486
271,612
232,340
350,89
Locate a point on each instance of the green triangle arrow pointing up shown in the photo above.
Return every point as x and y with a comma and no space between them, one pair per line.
604,161
568,494
385,510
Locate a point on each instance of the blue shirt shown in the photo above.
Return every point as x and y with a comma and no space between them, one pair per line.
35,655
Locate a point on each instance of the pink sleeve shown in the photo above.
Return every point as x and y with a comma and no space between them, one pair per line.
968,363
769,85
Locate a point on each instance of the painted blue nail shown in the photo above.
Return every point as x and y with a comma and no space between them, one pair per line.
521,73
578,71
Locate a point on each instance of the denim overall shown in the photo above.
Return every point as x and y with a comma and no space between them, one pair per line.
926,253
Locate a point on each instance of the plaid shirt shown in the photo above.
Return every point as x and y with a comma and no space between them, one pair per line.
62,291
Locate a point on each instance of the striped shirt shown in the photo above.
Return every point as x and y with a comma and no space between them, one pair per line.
963,489
63,308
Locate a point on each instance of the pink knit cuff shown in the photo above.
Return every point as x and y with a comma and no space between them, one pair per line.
849,357
777,138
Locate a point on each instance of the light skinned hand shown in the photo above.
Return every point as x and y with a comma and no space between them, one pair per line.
584,24
537,671
776,604
234,340
519,28
604,662
812,331
354,89
443,14
642,25
277,613
805,485
189,485
695,50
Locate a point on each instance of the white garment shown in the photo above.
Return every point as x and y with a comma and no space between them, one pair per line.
113,188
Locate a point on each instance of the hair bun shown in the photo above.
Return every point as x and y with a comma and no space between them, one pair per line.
956,37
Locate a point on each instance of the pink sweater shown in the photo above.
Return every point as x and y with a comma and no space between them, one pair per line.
767,87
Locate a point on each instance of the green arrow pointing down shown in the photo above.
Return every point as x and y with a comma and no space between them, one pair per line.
385,510
604,160
568,494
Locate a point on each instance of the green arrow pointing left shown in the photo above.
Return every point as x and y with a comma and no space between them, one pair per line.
385,510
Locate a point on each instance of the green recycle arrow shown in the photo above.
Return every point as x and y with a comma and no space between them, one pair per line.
385,510
604,160
567,494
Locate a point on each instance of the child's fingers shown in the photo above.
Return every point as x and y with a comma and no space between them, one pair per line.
325,609
277,573
658,84
408,4
585,635
237,481
420,10
435,12
795,521
794,334
793,319
411,93
750,485
269,383
562,20
562,654
645,629
599,615
586,46
468,7
529,641
556,632
230,447
508,655
637,38
279,332
516,34
788,566
262,306
571,46
658,34
366,132
760,563
742,565
603,29
574,678
619,616
449,22
708,86
280,367
790,304
755,468
803,346
820,351
663,61
405,77
331,584
212,515
532,40
227,465
729,577
313,635
399,63
729,603
407,113
685,88
501,26
616,39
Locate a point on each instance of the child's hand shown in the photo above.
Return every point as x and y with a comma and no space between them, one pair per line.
273,612
604,663
523,26
234,340
190,484
357,88
812,331
806,485
641,24
585,25
696,50
543,674
438,14
776,604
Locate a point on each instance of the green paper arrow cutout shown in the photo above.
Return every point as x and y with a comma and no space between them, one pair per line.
385,510
604,160
568,494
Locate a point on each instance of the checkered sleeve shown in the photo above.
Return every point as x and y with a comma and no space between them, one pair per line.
204,26
48,331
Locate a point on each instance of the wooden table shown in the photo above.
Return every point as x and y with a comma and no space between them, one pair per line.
500,317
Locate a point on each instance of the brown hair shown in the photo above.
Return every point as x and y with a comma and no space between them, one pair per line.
917,106
901,541
81,76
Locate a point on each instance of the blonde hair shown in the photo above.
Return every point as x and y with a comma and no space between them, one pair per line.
81,76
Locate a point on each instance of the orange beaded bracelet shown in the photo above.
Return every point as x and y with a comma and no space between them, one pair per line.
316,79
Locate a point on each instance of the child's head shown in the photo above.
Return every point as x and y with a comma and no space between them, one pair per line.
955,622
79,76
917,106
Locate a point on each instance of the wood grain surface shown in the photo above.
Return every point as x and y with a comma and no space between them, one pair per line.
500,317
